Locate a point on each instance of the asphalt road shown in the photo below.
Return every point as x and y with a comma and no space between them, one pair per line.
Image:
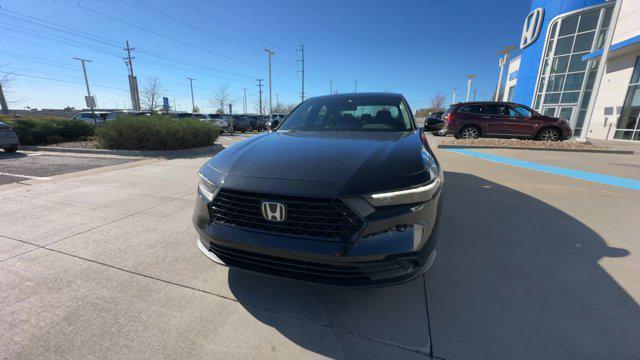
530,265
22,166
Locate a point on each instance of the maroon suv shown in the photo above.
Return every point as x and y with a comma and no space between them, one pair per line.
472,120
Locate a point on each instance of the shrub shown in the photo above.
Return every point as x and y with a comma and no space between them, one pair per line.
44,131
155,132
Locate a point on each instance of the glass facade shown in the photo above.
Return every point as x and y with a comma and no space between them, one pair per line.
565,81
629,125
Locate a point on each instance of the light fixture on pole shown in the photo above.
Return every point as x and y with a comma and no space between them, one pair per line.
503,60
470,78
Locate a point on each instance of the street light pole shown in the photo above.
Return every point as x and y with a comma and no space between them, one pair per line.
86,82
269,52
330,87
453,95
193,104
503,60
469,82
244,103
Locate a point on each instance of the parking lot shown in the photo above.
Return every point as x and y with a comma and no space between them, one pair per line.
42,166
530,264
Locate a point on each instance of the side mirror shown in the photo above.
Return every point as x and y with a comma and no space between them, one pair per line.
272,124
433,124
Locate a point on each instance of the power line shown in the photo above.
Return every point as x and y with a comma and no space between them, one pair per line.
197,28
201,11
166,36
102,40
57,80
147,52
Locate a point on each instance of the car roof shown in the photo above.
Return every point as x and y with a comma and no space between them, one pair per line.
487,102
360,95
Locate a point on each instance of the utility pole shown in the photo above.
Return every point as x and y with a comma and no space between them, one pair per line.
269,52
453,95
277,99
244,102
260,95
330,87
133,82
3,102
474,94
355,86
301,50
193,104
469,82
90,103
503,60
584,132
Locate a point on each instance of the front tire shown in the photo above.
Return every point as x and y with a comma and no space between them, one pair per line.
548,134
469,132
11,149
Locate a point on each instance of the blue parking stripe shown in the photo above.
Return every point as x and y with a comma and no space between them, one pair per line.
576,174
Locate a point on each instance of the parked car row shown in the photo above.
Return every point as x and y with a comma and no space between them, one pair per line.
472,120
241,123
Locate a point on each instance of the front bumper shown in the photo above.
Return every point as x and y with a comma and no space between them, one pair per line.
394,246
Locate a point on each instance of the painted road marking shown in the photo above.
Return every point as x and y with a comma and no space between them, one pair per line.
576,174
25,176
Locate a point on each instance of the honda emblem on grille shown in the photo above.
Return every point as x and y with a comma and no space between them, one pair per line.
273,211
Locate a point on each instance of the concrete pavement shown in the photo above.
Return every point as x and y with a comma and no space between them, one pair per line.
530,265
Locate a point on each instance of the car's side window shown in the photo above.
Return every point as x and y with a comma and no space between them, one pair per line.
520,111
492,109
473,109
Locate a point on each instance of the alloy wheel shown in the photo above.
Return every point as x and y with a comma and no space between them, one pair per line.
549,135
470,133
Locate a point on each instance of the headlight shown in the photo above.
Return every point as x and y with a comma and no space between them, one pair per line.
410,195
206,188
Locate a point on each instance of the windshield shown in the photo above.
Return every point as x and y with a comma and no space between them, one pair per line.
359,113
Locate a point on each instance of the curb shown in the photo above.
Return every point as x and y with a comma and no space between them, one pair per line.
204,150
597,151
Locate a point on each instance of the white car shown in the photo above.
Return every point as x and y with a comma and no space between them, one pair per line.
218,120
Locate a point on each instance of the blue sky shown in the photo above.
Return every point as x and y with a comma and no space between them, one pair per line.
416,48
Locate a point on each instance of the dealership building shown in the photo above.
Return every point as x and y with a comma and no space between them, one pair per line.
557,72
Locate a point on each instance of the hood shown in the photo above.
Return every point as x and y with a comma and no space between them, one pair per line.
358,162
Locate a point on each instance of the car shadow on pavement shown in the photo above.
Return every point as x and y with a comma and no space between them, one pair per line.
13,155
514,278
339,322
518,278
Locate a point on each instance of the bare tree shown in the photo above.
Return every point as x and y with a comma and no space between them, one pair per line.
220,98
438,101
151,94
278,108
6,95
289,108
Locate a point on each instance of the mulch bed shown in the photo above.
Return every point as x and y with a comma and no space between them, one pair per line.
521,144
87,144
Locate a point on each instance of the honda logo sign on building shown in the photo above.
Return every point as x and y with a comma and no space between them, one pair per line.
532,27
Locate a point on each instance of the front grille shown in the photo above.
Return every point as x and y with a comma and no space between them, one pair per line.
306,217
